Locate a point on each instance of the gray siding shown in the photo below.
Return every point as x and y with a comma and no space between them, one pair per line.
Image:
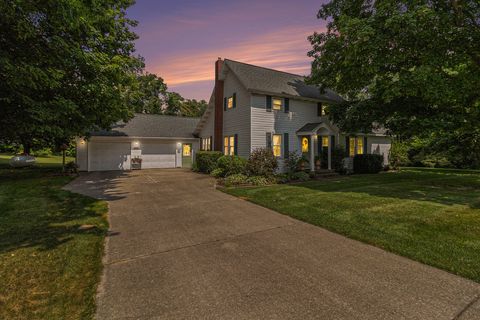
237,120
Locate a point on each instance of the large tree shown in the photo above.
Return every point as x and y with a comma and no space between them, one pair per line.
412,66
150,96
66,66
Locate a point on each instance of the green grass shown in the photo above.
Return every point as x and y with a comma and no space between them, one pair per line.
42,162
432,216
49,269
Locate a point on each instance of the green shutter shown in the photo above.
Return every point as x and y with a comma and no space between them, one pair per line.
333,143
268,138
365,145
269,103
287,105
234,99
319,109
347,145
235,144
225,104
285,145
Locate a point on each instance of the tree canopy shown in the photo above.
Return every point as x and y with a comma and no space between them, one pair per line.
66,66
412,66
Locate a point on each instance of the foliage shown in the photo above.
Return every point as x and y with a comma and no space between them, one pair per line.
367,163
299,176
65,67
235,180
411,212
150,94
292,161
398,154
206,161
412,67
261,180
193,108
262,162
231,165
71,167
217,173
338,154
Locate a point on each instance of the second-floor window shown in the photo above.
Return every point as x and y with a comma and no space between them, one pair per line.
230,103
277,103
229,145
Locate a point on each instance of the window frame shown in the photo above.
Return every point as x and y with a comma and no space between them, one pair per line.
230,102
352,146
277,147
229,145
327,139
359,144
282,103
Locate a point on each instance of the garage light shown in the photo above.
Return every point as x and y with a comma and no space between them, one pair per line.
82,141
135,143
179,144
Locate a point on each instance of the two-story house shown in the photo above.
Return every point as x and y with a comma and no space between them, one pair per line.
254,107
250,107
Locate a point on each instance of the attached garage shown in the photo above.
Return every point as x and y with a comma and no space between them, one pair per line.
145,142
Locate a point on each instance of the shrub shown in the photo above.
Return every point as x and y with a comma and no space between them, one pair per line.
300,176
292,162
262,162
367,163
398,154
71,167
259,180
282,178
231,165
235,180
217,173
206,161
338,155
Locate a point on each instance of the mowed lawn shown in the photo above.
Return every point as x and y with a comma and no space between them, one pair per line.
432,216
49,269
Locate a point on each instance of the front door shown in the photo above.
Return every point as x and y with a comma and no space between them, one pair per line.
187,155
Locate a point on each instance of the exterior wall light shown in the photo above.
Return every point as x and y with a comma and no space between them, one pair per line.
136,143
82,141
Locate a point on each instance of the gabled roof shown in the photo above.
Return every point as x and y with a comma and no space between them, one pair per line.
152,125
268,81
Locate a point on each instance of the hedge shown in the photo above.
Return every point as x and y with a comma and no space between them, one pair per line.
367,163
206,161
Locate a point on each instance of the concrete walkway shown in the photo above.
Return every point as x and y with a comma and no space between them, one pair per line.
179,249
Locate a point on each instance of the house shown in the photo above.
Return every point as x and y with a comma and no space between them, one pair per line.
250,107
254,107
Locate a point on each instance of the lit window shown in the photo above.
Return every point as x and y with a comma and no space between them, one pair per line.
229,145
351,146
187,150
209,144
230,103
277,145
304,144
277,104
325,141
359,145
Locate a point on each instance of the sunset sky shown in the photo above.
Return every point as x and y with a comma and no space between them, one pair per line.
180,40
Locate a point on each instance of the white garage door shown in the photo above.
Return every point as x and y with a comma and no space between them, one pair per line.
105,156
158,154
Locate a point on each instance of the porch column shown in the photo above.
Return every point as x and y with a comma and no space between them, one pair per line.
312,153
329,152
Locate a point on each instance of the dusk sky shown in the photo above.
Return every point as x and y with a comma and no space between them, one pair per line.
180,40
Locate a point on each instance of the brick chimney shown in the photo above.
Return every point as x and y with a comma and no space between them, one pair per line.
218,128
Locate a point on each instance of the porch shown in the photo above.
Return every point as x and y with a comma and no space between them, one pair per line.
314,139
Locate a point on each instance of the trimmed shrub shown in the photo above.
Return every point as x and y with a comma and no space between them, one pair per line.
262,162
217,173
367,163
206,161
231,165
259,180
299,176
236,179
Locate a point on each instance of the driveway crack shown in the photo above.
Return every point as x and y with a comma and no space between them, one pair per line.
468,306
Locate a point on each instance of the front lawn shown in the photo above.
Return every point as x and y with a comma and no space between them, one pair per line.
43,162
432,216
49,269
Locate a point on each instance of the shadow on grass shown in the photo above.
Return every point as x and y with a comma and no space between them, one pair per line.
36,212
447,188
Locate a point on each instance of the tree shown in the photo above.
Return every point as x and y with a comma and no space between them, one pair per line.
150,95
193,108
66,67
411,66
173,104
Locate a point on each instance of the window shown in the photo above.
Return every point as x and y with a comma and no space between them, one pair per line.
277,104
206,144
351,142
187,150
277,145
230,103
304,144
325,141
359,145
229,145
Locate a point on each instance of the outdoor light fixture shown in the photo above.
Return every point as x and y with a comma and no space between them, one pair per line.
135,143
179,144
82,141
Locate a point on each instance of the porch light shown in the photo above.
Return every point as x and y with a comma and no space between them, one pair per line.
82,141
136,143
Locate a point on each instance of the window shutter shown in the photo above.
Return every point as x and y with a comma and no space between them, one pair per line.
347,145
234,99
225,104
269,104
210,145
286,147
235,144
320,144
365,145
333,143
269,140
319,109
287,105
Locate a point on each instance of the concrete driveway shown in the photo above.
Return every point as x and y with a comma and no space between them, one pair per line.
179,249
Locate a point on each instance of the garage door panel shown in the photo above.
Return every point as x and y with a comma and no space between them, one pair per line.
109,156
151,161
158,148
